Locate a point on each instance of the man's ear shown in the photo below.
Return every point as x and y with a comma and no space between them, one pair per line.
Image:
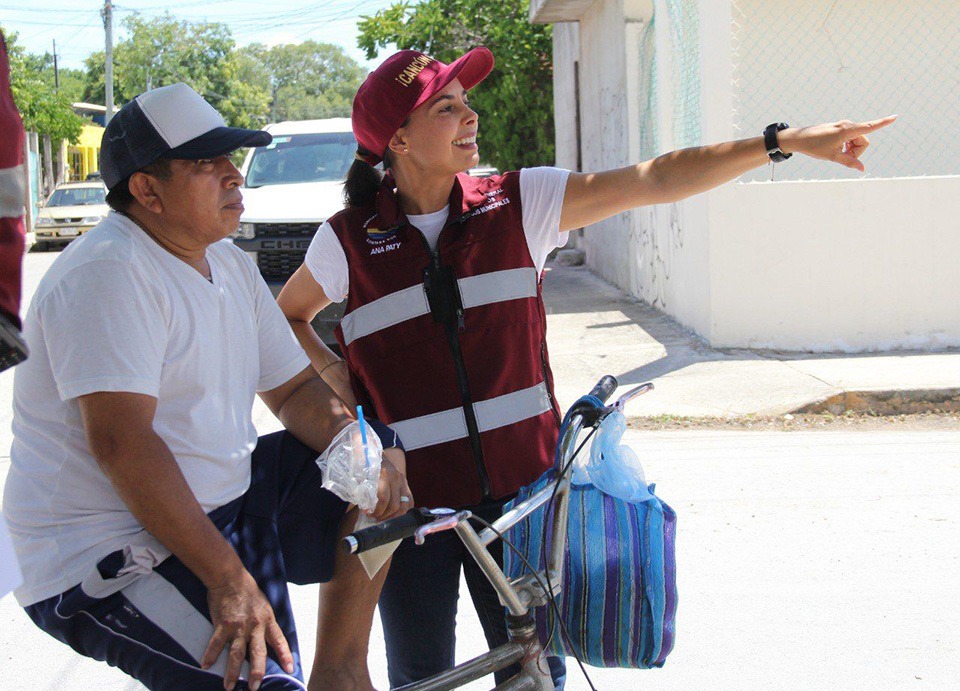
143,187
398,143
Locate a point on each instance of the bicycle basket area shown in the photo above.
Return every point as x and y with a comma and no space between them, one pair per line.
619,594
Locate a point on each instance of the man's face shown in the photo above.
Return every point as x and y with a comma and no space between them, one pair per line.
201,199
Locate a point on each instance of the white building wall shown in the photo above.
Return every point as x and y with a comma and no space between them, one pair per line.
837,266
566,36
828,265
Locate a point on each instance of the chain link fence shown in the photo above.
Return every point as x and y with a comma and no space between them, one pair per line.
821,60
810,62
685,68
679,21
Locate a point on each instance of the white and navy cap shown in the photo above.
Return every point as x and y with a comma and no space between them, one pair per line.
170,122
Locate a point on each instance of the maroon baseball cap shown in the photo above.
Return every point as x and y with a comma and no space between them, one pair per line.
405,81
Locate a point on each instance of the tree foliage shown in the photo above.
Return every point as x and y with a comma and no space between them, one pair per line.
164,50
42,109
248,85
307,80
515,102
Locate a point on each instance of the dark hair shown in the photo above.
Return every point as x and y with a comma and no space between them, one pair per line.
363,181
119,197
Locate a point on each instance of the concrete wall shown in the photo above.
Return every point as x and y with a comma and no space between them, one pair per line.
867,264
836,266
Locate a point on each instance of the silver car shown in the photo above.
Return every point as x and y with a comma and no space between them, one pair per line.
72,210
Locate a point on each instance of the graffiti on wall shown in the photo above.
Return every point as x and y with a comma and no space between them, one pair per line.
656,237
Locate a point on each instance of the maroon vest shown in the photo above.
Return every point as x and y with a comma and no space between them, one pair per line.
450,347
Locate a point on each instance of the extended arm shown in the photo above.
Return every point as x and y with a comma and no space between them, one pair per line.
592,197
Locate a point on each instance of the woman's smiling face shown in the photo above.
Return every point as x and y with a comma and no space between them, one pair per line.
441,134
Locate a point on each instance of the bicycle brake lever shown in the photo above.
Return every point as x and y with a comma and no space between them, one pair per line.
621,403
439,525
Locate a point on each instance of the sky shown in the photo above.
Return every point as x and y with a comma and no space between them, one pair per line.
78,28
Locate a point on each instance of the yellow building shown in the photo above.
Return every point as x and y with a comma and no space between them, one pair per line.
84,157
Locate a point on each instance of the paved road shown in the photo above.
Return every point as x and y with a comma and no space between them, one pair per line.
823,560
806,560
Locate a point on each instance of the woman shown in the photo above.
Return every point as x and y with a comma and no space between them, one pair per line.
444,331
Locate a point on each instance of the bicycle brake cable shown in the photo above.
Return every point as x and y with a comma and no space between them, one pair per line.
553,602
558,616
543,541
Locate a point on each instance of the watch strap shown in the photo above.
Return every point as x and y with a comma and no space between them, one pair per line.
772,144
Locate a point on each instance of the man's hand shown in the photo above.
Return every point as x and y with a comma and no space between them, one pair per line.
392,488
243,620
841,142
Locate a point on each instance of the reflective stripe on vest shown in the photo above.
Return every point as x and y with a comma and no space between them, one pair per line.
483,289
492,413
12,191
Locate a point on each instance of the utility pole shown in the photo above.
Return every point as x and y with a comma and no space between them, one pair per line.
56,71
108,63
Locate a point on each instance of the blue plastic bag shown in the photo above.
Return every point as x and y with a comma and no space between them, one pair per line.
613,467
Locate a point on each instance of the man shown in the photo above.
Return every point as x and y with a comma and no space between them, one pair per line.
154,530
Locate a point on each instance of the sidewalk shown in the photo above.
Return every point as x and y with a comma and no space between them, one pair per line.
594,329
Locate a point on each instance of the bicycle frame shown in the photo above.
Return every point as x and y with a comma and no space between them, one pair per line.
518,595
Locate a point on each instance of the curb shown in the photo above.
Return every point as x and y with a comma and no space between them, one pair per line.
895,402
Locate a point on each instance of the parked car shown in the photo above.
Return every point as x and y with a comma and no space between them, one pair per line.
72,210
291,187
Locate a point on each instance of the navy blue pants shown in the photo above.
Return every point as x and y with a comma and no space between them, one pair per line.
157,625
418,605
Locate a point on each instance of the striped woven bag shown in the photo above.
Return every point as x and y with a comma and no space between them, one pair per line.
619,593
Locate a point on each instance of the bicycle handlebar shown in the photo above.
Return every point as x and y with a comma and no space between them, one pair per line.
604,388
388,531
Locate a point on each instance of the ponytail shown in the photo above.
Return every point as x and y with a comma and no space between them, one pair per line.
363,181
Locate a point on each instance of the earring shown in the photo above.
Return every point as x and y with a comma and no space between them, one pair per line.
405,150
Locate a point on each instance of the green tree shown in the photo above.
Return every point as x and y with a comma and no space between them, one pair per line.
515,102
42,109
307,80
163,50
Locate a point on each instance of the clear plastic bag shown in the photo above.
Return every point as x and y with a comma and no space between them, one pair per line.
350,468
612,467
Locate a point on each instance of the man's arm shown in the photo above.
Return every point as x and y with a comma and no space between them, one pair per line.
592,197
144,472
314,414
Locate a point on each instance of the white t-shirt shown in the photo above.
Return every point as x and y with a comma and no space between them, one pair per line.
116,312
541,196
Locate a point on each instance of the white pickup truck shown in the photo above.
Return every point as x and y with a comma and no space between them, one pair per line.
292,186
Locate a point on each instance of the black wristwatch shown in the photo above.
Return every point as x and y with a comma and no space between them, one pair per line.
770,141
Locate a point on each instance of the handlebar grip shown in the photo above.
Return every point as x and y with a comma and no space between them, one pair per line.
604,388
387,531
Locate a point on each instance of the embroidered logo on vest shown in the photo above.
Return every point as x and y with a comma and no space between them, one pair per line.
411,71
378,237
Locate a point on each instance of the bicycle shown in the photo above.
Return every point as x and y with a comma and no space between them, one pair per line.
521,595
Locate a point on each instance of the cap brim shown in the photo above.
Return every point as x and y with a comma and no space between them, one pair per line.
470,68
219,142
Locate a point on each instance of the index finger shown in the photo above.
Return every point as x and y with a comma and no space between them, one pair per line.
871,126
